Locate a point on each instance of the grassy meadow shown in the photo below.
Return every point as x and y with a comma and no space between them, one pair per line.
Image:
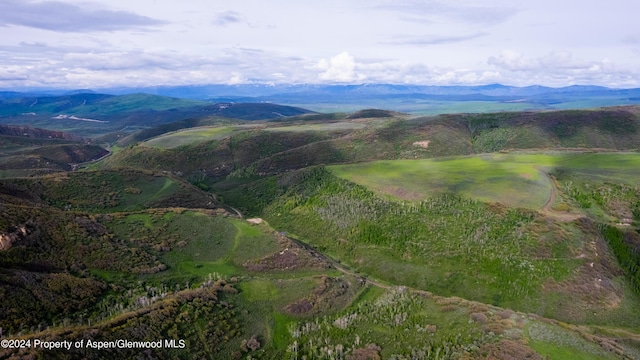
320,127
184,137
514,179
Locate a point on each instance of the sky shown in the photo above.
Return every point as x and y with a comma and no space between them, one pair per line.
106,43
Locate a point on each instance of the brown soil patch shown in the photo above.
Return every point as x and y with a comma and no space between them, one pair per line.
370,352
255,221
402,193
299,307
331,293
592,288
423,144
508,350
291,257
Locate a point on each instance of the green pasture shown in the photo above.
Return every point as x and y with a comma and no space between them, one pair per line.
201,244
216,245
184,137
319,127
515,179
599,167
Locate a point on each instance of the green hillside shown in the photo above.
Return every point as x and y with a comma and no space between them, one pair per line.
87,104
298,144
93,115
27,151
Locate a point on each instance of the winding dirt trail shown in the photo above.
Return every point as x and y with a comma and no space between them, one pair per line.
547,208
319,255
311,250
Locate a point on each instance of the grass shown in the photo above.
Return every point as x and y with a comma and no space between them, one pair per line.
259,290
450,245
490,177
215,245
319,127
251,242
202,245
120,190
556,352
184,137
558,343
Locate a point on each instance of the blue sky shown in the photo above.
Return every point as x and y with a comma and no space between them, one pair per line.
99,43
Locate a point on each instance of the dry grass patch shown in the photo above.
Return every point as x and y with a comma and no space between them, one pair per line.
508,350
291,257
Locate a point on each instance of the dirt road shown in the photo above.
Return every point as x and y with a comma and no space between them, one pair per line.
547,208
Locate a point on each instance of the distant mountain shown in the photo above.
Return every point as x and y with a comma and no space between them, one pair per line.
268,91
92,114
127,110
253,111
420,99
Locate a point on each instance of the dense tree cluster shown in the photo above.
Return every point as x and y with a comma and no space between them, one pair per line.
626,247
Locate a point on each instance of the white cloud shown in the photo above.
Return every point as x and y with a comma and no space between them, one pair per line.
236,78
561,68
512,60
340,68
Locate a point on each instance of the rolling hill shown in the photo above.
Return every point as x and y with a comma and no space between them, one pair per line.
375,234
294,145
26,151
91,114
414,99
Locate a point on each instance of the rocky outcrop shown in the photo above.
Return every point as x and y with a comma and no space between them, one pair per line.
7,240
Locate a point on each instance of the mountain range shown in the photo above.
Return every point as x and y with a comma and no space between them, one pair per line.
417,99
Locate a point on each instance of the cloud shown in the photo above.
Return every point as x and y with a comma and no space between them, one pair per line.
236,78
77,67
33,64
556,60
63,17
340,68
227,17
435,11
431,39
560,68
120,60
512,61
